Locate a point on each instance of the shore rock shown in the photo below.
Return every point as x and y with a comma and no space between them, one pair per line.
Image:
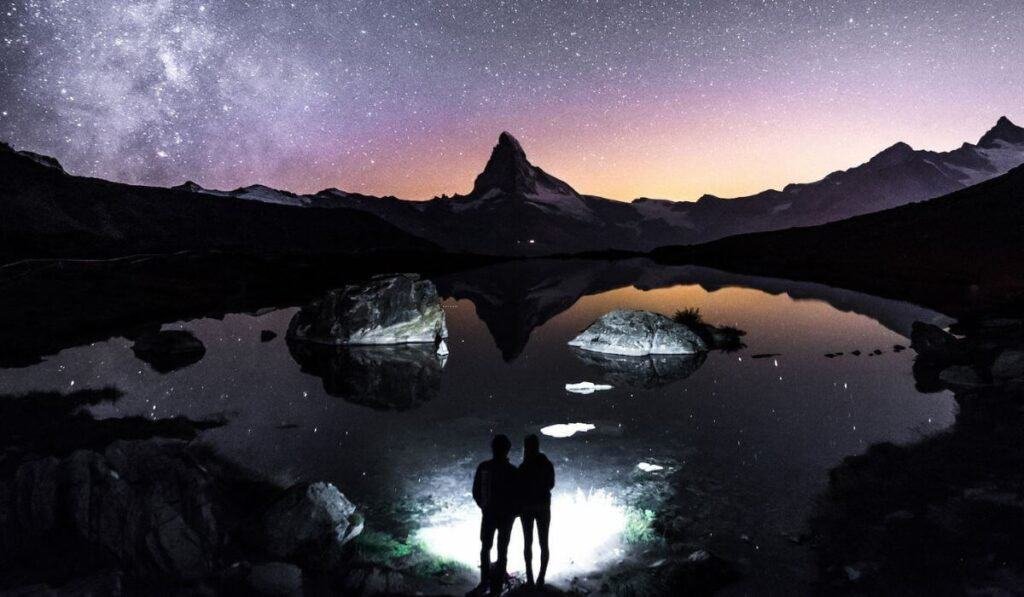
275,579
638,333
386,310
1009,365
310,524
701,573
169,350
142,505
934,344
961,377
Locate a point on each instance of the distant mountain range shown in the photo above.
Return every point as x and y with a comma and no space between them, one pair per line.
518,208
959,253
515,208
45,212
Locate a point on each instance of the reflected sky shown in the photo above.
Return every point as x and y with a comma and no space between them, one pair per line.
751,439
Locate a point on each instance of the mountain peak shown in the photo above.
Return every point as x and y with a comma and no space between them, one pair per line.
508,170
190,187
896,153
1004,130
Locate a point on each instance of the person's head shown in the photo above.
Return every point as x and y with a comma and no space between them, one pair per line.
531,445
500,446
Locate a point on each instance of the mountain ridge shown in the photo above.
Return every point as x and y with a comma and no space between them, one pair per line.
517,208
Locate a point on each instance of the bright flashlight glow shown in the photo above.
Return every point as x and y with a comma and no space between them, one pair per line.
586,532
564,430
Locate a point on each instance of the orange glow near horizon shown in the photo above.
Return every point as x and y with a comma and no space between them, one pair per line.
680,160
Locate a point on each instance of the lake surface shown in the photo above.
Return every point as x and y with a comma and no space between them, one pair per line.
745,443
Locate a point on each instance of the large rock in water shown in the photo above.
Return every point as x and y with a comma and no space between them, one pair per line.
638,333
309,524
386,310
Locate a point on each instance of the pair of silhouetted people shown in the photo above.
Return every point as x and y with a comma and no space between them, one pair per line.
503,492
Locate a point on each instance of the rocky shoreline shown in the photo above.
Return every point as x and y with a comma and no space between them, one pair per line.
944,515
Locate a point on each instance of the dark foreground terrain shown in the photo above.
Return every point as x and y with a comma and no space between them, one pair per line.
49,213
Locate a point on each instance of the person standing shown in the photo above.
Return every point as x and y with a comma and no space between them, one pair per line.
495,489
536,478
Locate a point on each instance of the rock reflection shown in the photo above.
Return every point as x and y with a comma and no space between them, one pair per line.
396,377
652,371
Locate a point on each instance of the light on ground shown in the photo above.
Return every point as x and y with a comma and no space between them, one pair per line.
586,532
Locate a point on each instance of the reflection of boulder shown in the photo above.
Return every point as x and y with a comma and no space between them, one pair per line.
386,310
383,377
638,333
649,371
168,350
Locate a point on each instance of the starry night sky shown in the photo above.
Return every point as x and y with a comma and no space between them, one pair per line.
623,99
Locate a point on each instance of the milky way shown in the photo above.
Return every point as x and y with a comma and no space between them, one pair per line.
656,98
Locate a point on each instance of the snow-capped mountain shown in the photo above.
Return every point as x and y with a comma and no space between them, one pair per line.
517,208
256,192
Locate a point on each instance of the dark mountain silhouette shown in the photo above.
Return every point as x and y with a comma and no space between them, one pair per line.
516,208
969,241
45,212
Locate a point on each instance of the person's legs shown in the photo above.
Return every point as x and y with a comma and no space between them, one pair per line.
487,529
498,573
527,520
543,526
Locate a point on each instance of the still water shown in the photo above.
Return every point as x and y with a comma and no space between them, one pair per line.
744,444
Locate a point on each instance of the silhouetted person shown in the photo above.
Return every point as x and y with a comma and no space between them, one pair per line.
536,478
495,491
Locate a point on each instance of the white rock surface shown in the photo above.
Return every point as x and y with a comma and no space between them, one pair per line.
638,333
398,309
586,387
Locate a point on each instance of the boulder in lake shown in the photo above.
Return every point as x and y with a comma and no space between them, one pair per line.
398,309
168,350
310,524
638,333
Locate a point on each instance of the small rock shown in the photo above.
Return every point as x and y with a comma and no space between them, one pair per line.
1009,365
275,579
310,523
961,376
934,344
